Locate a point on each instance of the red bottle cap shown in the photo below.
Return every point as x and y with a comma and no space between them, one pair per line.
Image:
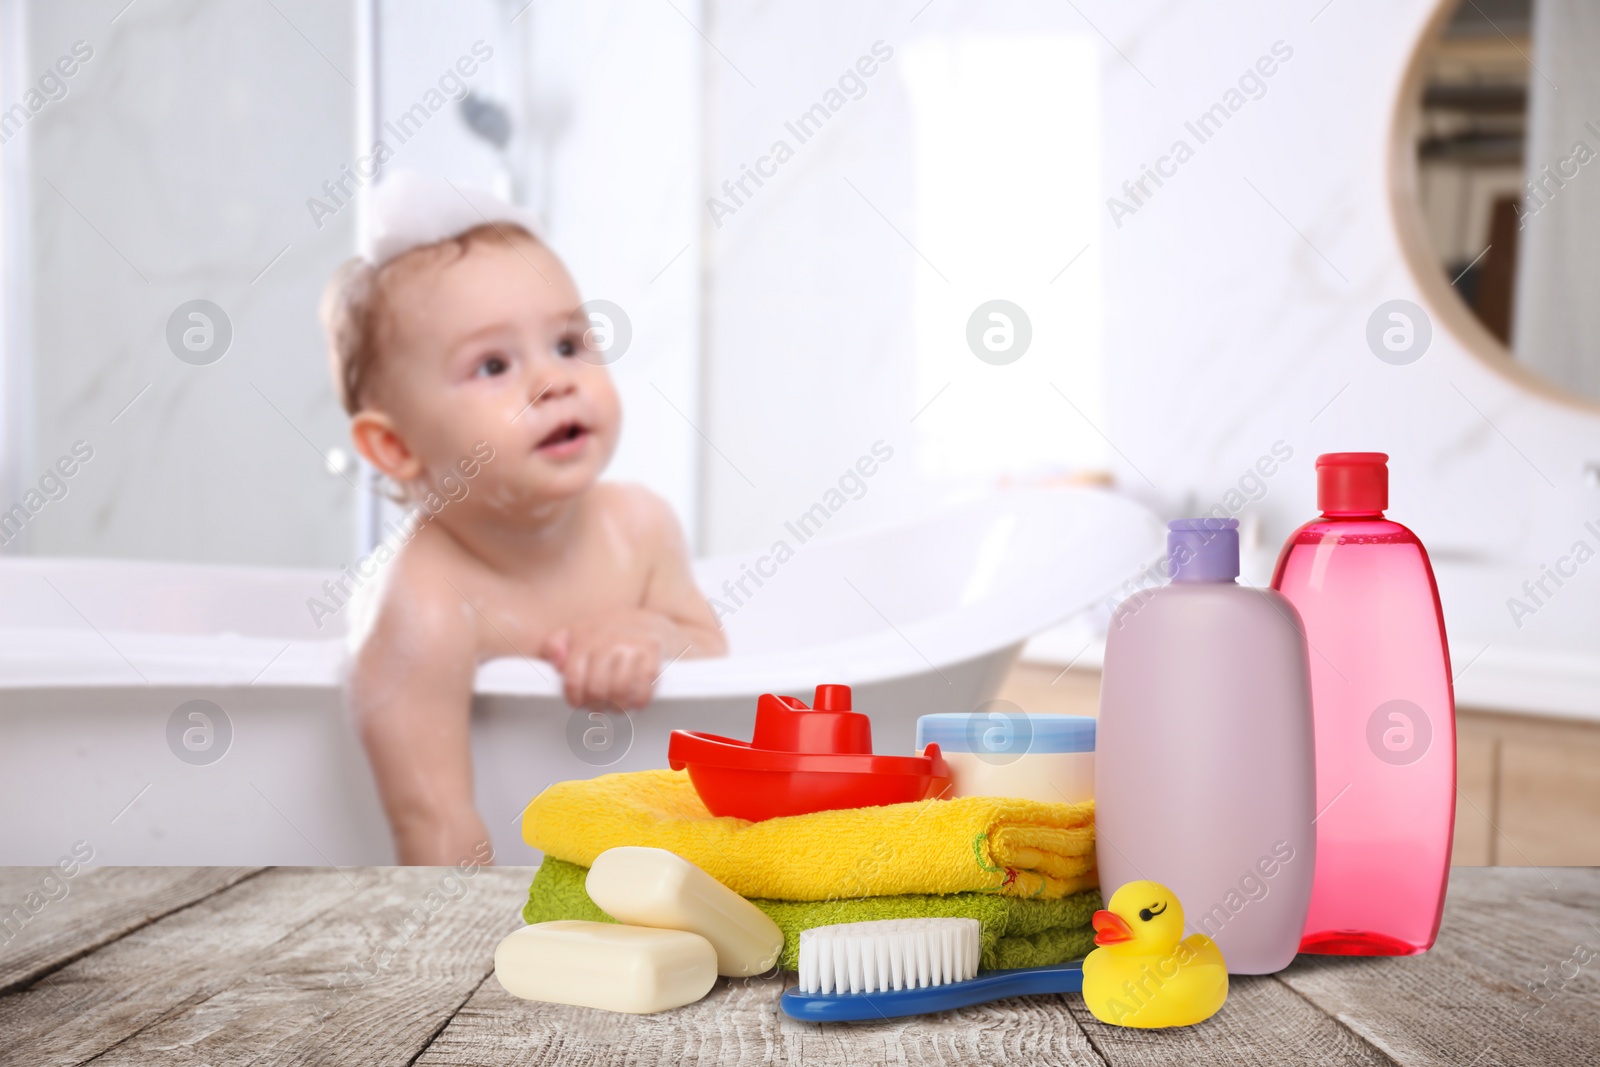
1353,483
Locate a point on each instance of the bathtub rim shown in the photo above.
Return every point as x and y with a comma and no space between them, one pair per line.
74,658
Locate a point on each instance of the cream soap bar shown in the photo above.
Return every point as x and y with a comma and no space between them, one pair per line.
602,965
654,887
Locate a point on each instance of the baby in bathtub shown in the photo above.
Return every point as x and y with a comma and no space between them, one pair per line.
466,362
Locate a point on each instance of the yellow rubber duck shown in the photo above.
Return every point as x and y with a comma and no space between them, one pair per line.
1145,972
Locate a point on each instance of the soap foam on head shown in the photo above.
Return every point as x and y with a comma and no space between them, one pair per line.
409,209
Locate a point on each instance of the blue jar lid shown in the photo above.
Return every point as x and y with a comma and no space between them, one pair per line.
1005,730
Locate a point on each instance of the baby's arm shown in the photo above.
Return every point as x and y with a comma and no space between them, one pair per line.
672,592
411,697
617,657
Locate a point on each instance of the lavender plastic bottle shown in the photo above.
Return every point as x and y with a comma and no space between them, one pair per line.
1204,767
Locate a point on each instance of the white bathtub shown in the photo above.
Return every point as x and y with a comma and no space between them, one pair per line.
97,657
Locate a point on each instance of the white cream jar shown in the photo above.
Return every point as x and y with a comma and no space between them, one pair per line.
1001,752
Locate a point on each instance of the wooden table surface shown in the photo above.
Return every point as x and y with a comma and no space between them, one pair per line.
221,966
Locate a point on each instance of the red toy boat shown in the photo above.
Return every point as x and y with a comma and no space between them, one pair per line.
803,760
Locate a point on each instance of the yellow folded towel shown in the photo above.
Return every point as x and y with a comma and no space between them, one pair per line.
1018,847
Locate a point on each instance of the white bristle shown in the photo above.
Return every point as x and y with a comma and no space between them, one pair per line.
888,954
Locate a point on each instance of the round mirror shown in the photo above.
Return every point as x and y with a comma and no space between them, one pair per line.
1497,190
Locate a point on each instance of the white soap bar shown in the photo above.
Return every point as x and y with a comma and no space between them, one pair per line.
602,965
654,887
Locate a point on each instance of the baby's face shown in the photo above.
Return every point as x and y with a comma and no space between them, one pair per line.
490,347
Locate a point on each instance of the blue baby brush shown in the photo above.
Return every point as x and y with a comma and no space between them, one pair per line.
894,967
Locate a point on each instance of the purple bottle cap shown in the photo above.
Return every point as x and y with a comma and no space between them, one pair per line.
1203,550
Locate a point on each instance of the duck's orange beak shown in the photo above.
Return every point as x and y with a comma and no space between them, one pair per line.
1110,928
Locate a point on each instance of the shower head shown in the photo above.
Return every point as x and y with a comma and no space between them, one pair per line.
487,118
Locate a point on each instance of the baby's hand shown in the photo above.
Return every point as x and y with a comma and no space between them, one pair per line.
614,659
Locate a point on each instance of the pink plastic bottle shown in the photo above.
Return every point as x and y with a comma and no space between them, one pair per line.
1384,710
1203,761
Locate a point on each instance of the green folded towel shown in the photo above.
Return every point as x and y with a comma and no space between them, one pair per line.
1017,932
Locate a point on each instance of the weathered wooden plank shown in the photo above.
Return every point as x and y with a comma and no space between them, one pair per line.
1514,978
369,980
47,920
1263,1022
186,957
739,1022
377,966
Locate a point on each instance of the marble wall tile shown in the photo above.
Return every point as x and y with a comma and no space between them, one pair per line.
177,167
